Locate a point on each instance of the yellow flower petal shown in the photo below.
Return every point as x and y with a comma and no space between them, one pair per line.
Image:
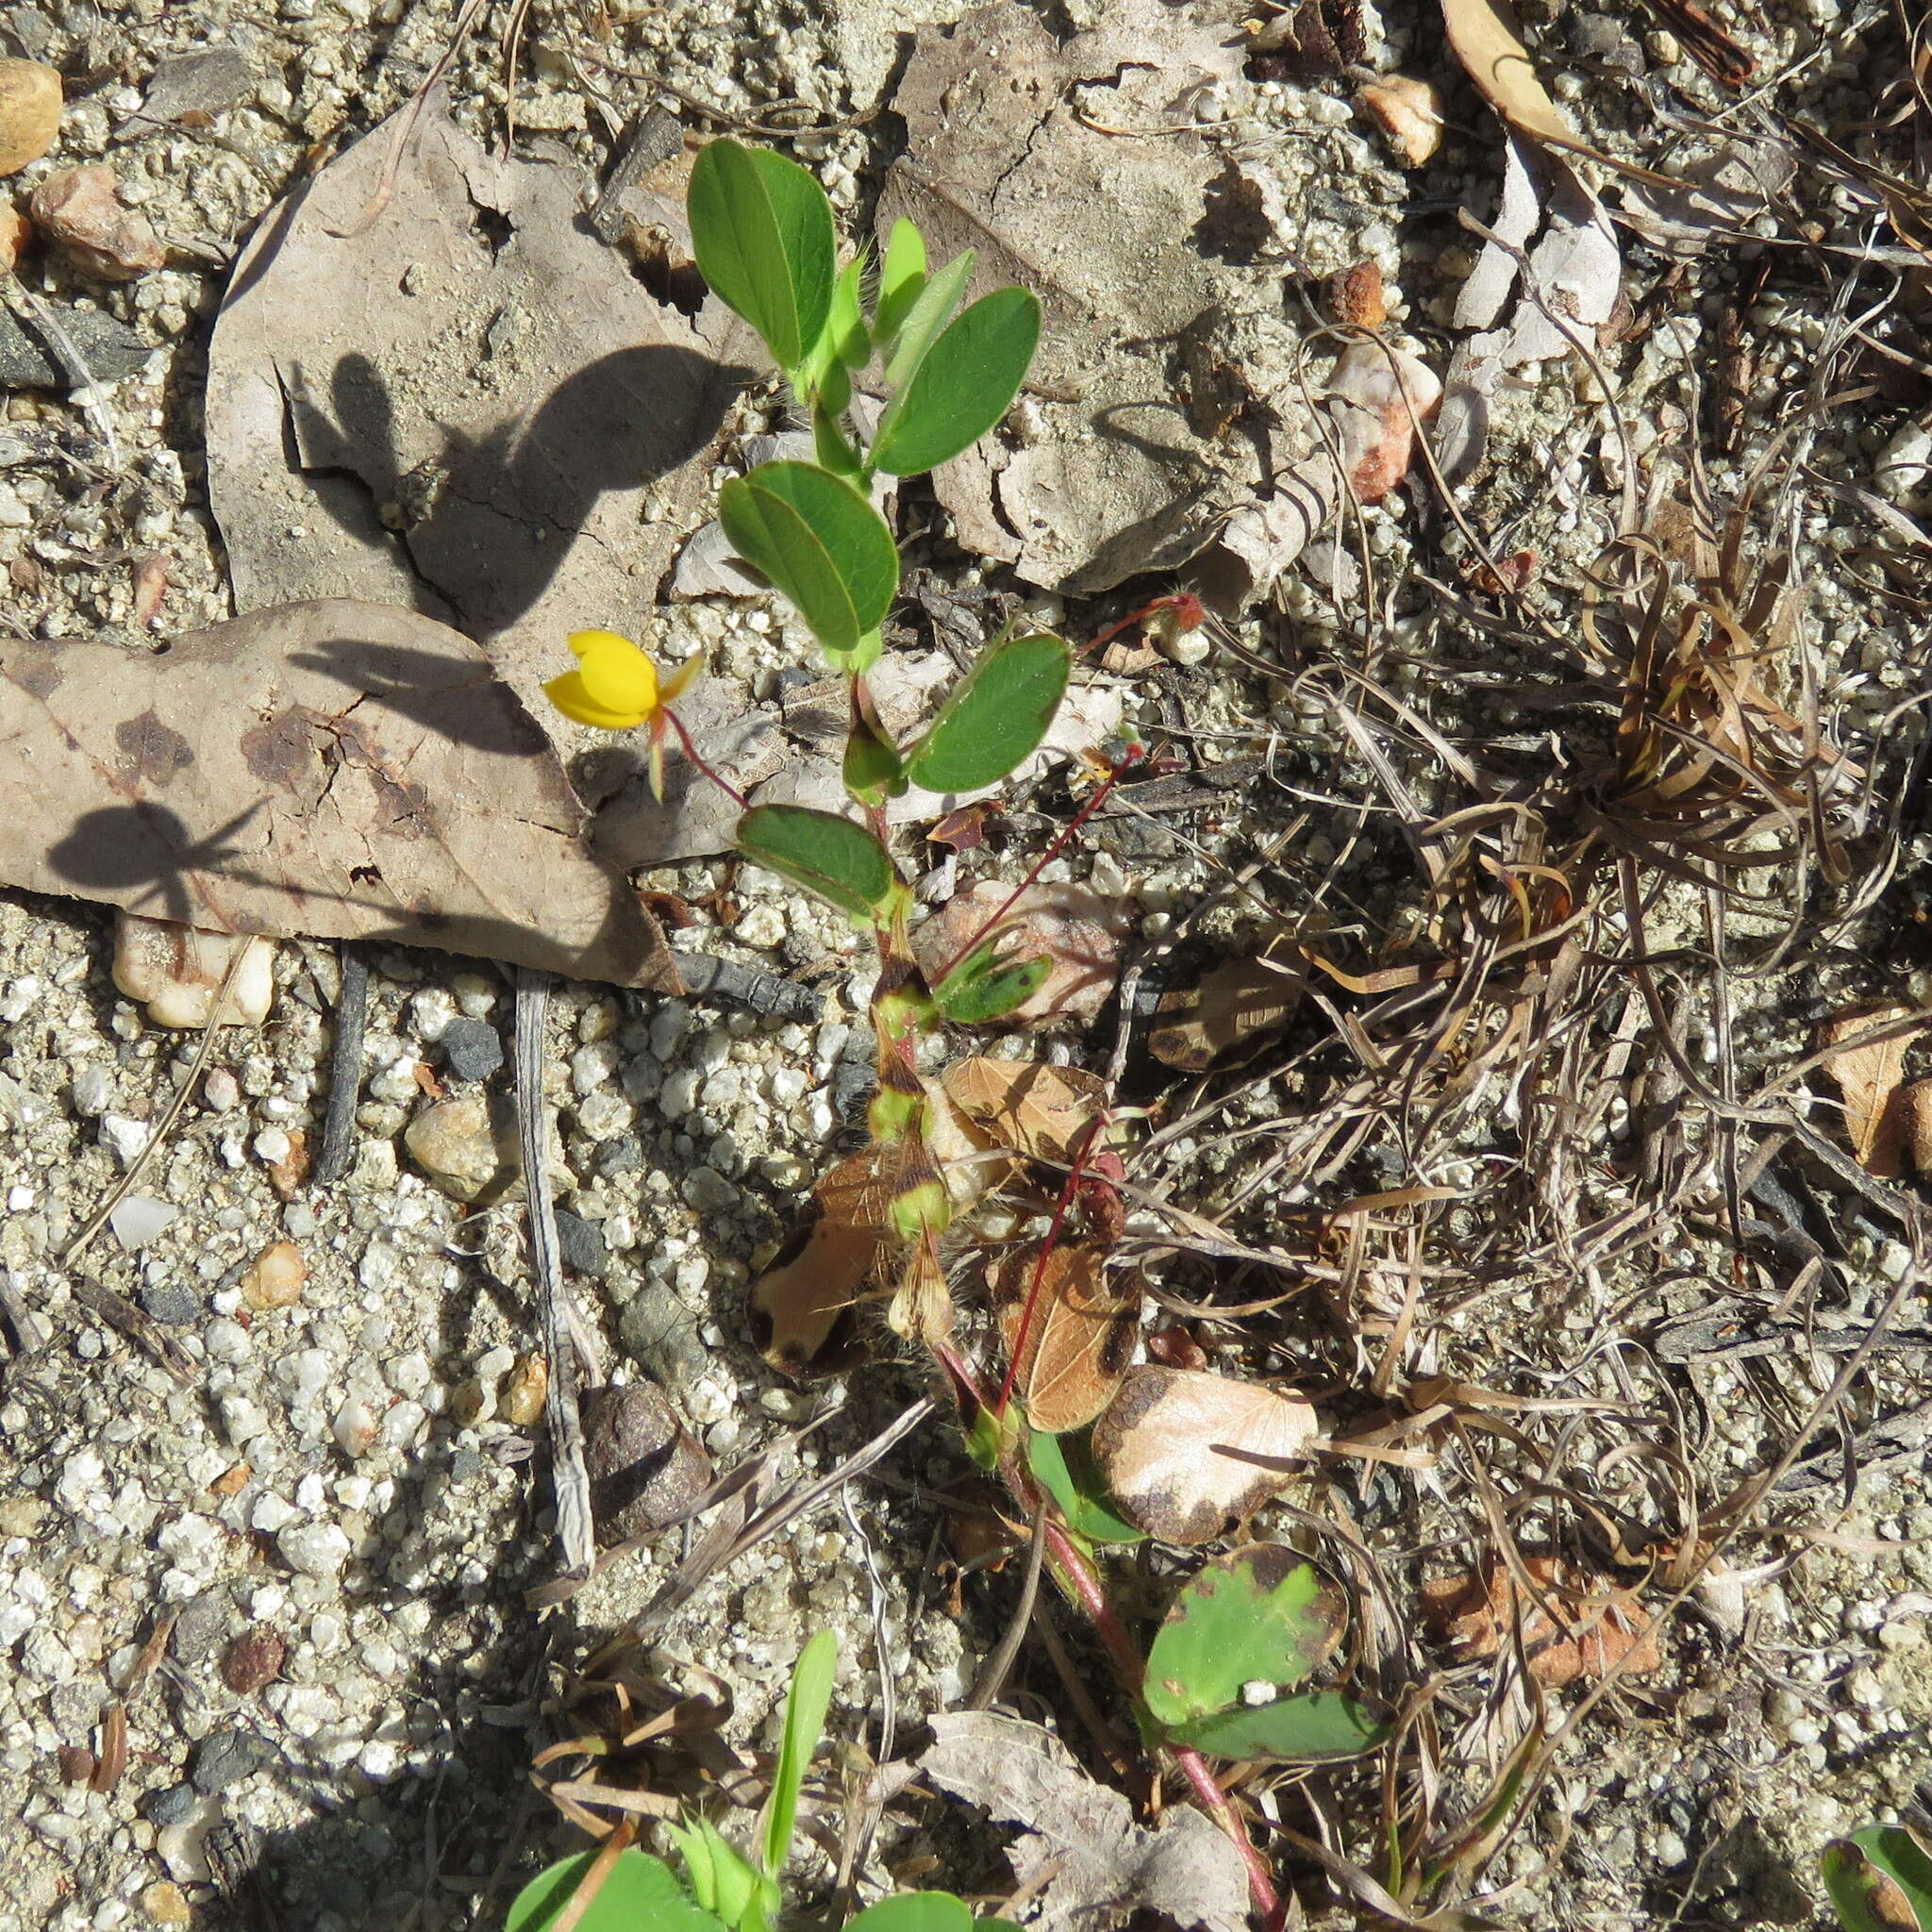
618,678
570,697
675,684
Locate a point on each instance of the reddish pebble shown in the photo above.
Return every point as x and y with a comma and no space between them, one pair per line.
254,1661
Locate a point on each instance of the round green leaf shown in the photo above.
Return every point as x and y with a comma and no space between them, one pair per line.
995,717
832,857
640,1891
820,542
1315,1725
981,988
914,1911
964,384
761,229
1260,1615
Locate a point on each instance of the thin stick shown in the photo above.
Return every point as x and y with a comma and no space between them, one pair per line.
344,1070
570,1475
992,1678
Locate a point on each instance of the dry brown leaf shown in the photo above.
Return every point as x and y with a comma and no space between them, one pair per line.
805,1301
1007,130
1235,1006
1043,1111
922,1308
1918,1106
1476,1612
1187,1453
1079,1340
1485,38
1869,1076
471,406
335,769
1079,1856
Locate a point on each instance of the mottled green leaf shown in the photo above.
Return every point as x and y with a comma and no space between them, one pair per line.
1879,1880
1314,1725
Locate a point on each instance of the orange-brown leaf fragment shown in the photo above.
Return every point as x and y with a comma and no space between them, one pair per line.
1869,1077
1485,38
1186,1455
809,1294
1043,1111
1476,1610
1078,1344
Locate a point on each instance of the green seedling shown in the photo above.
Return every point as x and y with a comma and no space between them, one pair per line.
1064,1467
1880,1880
1259,1616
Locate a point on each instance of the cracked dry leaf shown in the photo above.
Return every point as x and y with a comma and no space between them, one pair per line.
1087,1864
1044,1111
803,1304
1870,1077
1102,475
332,769
1187,1453
1476,1611
469,406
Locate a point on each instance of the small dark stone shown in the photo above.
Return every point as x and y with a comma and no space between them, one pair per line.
200,1626
173,1304
471,1049
465,1464
226,1758
646,1468
169,1805
580,1242
625,1155
29,357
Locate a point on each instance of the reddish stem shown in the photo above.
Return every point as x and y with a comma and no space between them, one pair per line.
690,751
1128,757
1017,1353
1189,613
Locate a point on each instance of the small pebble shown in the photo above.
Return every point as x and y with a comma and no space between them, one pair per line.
471,1049
226,1759
138,1220
92,1091
580,1242
220,1091
176,972
166,1904
169,1806
465,1151
253,1660
314,1549
172,1303
30,105
81,209
646,1468
275,1279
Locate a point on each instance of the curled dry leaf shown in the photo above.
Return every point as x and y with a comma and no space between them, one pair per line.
1043,1111
1237,1006
1081,1336
1078,931
1080,1855
804,1302
1869,1077
335,769
1485,37
1476,1612
1409,111
1187,1453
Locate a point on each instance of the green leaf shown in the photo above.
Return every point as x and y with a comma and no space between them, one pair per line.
994,719
930,310
902,275
914,1911
1259,1615
805,1704
872,770
820,542
981,988
1315,1725
830,444
761,229
842,345
1879,1880
722,1878
832,857
964,384
639,1890
1064,1467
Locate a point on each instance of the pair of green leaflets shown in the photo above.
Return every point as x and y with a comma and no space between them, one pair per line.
727,1891
1880,1880
765,240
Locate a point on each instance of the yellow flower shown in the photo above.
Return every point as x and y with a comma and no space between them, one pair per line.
615,686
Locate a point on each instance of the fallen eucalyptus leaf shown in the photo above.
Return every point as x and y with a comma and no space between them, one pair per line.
1079,1337
1086,1862
333,768
1870,1077
1187,1453
1485,38
469,406
1101,476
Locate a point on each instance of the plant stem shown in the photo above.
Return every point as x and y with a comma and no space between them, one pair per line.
690,751
1128,757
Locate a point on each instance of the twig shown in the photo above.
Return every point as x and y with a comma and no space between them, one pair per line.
569,1472
75,364
344,1070
992,1676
